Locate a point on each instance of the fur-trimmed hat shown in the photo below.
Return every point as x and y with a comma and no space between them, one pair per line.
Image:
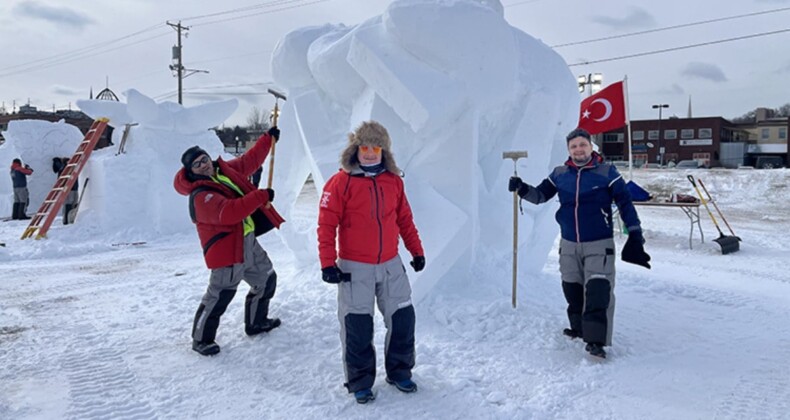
373,134
190,155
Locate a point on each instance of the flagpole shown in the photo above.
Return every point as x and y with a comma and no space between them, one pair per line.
628,130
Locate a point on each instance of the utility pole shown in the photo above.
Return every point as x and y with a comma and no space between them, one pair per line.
178,65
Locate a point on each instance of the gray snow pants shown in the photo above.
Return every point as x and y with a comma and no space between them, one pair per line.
21,195
257,271
587,270
387,285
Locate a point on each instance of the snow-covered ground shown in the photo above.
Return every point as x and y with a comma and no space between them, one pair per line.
89,329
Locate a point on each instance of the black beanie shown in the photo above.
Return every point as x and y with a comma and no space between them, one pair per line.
190,155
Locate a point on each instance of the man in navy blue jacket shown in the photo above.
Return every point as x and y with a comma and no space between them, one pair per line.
586,187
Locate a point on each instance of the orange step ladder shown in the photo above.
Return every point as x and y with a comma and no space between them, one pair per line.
42,220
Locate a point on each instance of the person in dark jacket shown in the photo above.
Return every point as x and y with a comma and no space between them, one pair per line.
58,165
19,176
364,207
229,212
586,187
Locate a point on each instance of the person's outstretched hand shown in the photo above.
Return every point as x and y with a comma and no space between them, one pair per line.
275,133
514,184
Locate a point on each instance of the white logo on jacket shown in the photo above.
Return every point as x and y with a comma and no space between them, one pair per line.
208,197
325,199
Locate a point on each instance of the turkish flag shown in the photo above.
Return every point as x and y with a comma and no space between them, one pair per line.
604,111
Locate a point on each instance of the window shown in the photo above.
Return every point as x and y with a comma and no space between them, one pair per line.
783,133
687,133
670,134
639,135
652,135
765,133
705,133
613,138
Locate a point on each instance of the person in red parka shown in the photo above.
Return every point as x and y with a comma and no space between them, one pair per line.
229,213
364,207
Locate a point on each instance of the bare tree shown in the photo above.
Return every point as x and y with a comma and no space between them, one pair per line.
257,120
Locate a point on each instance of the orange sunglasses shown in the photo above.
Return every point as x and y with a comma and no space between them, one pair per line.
366,149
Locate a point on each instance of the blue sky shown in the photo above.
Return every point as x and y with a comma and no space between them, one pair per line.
53,53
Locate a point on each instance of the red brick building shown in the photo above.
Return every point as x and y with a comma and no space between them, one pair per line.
714,141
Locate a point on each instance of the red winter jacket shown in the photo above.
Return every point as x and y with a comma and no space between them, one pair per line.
367,214
219,211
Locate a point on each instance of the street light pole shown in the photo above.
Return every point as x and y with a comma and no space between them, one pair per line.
660,149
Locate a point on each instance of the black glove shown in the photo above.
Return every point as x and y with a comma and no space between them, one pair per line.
634,250
275,133
27,166
514,184
333,275
521,187
418,263
271,194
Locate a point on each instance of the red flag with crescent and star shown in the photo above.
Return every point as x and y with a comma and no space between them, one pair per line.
604,111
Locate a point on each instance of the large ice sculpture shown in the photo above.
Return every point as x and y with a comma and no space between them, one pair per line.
455,85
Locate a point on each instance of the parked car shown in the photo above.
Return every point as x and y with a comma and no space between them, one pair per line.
769,162
689,164
651,166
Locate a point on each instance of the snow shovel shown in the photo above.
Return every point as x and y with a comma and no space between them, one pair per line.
728,243
72,215
710,199
515,156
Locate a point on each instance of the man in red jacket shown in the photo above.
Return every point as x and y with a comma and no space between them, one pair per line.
229,213
364,206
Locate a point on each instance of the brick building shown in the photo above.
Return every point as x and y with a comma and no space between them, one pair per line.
714,141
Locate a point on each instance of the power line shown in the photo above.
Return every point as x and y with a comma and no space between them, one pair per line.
685,47
83,49
667,28
77,57
259,13
85,52
240,9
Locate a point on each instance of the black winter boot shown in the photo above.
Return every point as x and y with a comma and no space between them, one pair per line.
66,210
570,332
596,349
266,325
206,349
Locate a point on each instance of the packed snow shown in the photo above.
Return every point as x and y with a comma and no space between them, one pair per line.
93,330
95,319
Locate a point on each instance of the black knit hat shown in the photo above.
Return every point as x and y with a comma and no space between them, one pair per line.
579,132
190,155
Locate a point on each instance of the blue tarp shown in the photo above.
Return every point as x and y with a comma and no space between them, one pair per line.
637,193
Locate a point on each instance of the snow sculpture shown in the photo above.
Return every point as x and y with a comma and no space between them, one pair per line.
138,185
455,85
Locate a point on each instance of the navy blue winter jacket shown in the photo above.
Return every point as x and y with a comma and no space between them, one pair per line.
586,194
